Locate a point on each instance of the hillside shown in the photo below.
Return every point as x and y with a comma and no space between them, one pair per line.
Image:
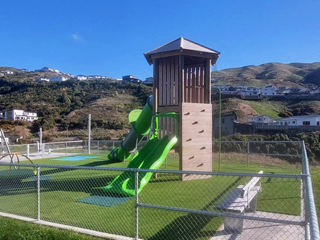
277,74
245,109
63,107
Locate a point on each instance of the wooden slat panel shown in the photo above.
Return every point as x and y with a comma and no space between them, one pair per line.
160,98
176,78
164,83
207,82
168,109
202,84
196,84
168,83
194,97
155,85
190,85
172,80
185,85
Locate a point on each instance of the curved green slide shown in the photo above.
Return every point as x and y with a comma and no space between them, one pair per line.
140,121
151,156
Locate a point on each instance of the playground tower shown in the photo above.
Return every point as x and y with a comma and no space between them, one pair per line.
182,84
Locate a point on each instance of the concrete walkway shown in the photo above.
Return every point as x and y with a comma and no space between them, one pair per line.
253,230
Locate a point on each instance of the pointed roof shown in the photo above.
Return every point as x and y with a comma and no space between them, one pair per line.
182,44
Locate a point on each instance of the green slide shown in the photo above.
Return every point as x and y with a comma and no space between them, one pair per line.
140,121
151,156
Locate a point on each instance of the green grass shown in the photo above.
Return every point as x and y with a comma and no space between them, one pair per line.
59,197
269,108
15,230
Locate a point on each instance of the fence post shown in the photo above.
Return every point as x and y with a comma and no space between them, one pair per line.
28,150
43,149
38,193
248,151
66,148
98,147
136,204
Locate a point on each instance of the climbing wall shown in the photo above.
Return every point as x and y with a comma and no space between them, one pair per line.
196,138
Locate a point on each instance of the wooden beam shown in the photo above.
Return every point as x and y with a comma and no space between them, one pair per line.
207,82
181,98
155,85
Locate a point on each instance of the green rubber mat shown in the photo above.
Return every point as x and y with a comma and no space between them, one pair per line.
107,201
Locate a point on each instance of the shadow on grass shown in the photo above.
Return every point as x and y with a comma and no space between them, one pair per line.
190,226
89,185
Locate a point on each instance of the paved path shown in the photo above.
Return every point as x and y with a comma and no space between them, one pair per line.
253,230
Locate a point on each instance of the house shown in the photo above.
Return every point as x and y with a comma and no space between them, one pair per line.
261,120
58,78
81,77
308,120
227,124
47,69
130,78
216,79
148,81
95,77
251,93
23,70
268,91
229,90
20,115
8,72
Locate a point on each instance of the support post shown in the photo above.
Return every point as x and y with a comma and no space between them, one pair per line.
38,194
42,149
28,150
89,133
248,151
40,138
136,204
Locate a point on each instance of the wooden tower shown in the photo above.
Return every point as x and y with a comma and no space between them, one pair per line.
182,84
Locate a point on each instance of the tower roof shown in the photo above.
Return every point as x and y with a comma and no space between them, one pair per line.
180,44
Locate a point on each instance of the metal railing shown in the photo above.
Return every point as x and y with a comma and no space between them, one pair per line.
311,219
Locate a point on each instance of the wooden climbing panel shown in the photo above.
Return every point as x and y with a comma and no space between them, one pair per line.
196,138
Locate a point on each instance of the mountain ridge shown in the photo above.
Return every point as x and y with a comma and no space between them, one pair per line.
273,73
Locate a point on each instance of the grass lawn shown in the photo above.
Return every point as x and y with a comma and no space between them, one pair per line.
15,229
62,188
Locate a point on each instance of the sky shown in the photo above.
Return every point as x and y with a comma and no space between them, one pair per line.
109,37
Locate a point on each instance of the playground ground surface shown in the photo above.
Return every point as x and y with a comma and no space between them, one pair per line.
165,218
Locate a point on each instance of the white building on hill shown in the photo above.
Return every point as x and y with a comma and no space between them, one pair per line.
20,115
308,120
262,120
268,91
81,77
59,79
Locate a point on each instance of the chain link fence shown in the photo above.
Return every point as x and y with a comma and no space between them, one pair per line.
167,208
256,153
212,205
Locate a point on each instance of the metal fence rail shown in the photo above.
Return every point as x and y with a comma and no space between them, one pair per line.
311,218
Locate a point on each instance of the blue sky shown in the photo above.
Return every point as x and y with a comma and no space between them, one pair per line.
109,38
